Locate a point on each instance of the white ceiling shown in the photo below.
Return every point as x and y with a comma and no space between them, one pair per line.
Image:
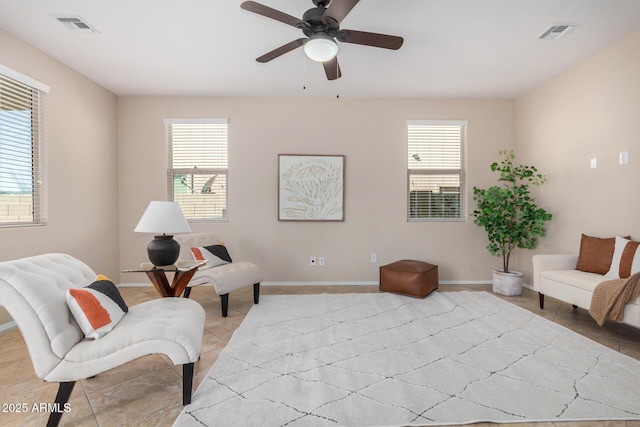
452,48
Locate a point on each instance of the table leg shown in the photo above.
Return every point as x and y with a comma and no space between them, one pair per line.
180,281
177,286
160,282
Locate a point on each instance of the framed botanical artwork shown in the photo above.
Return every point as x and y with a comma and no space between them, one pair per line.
310,188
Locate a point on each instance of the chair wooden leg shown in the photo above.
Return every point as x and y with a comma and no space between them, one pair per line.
256,293
62,398
187,292
541,299
187,383
224,301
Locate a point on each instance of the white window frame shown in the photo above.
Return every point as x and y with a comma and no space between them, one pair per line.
442,145
201,206
22,189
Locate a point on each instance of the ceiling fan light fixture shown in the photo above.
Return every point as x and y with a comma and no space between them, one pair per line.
321,48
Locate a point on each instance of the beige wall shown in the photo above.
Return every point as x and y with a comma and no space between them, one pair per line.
589,111
81,165
106,160
371,133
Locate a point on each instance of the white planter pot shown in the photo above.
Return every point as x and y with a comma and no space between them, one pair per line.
509,284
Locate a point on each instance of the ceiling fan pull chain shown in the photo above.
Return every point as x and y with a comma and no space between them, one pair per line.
337,81
304,71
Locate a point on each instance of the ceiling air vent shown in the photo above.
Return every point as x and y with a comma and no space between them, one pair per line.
75,23
556,32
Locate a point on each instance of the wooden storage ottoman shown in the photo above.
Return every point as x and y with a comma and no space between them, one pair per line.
408,277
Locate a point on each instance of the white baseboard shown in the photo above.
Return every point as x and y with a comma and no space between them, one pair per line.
345,283
8,325
134,285
368,283
335,283
464,282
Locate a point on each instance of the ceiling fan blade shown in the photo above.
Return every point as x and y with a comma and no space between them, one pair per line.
370,39
332,69
338,9
281,50
263,10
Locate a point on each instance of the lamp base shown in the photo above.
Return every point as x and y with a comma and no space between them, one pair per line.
163,250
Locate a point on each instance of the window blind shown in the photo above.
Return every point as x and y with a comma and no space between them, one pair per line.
198,167
435,170
21,192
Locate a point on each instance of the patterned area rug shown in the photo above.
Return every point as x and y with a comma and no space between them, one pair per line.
386,360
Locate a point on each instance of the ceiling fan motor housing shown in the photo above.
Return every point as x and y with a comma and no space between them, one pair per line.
318,24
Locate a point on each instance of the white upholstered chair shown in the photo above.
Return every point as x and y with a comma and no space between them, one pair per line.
33,290
224,278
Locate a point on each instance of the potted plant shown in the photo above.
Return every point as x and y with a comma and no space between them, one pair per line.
510,216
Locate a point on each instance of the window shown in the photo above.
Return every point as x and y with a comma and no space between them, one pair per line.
198,167
435,170
21,180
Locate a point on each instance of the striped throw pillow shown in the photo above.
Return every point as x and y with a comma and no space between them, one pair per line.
626,259
97,307
215,255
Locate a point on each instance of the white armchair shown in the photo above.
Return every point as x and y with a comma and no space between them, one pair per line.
224,278
33,290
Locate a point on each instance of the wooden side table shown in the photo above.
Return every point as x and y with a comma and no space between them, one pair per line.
182,271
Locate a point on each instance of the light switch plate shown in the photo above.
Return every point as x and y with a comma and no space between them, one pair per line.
624,157
594,162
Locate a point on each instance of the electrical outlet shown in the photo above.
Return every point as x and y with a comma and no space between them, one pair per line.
321,261
312,260
374,257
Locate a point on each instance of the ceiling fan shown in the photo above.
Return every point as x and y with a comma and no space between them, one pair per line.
321,26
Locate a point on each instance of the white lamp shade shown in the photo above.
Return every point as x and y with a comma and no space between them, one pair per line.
163,218
320,48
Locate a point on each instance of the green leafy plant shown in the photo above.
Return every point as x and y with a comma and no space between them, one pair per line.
508,212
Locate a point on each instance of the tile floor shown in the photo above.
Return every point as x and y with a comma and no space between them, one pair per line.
147,392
